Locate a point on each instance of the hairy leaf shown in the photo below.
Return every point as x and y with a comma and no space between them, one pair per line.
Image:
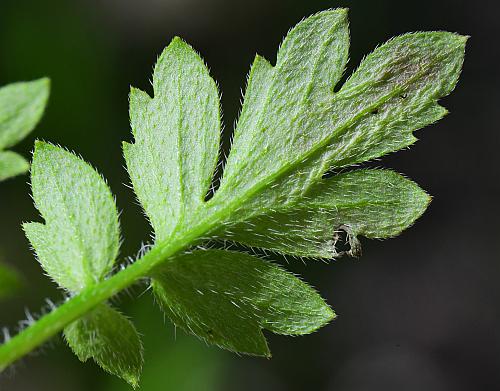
284,113
227,297
373,203
293,129
21,107
295,126
110,339
79,241
176,137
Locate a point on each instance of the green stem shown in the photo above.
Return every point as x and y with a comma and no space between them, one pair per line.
52,323
76,307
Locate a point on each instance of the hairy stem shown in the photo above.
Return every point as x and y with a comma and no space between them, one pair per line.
77,306
50,324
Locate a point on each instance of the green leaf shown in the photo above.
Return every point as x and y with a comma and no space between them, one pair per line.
373,203
176,134
77,246
110,339
226,298
79,241
294,127
21,107
278,124
10,282
12,164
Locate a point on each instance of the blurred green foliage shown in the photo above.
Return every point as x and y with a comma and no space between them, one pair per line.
10,282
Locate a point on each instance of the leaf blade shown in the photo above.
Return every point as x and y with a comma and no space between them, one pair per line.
226,298
310,62
79,241
411,73
111,340
377,204
12,164
176,133
21,107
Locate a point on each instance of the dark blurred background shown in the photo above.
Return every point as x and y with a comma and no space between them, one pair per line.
418,312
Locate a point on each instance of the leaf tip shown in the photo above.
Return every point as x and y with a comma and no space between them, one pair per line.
41,85
338,14
331,315
262,351
342,11
132,379
176,40
44,83
324,316
39,144
177,43
460,41
41,88
42,147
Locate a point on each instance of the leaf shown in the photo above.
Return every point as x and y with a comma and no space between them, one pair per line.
77,246
21,107
10,282
176,133
80,239
12,164
295,126
293,129
227,297
373,203
277,126
110,339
